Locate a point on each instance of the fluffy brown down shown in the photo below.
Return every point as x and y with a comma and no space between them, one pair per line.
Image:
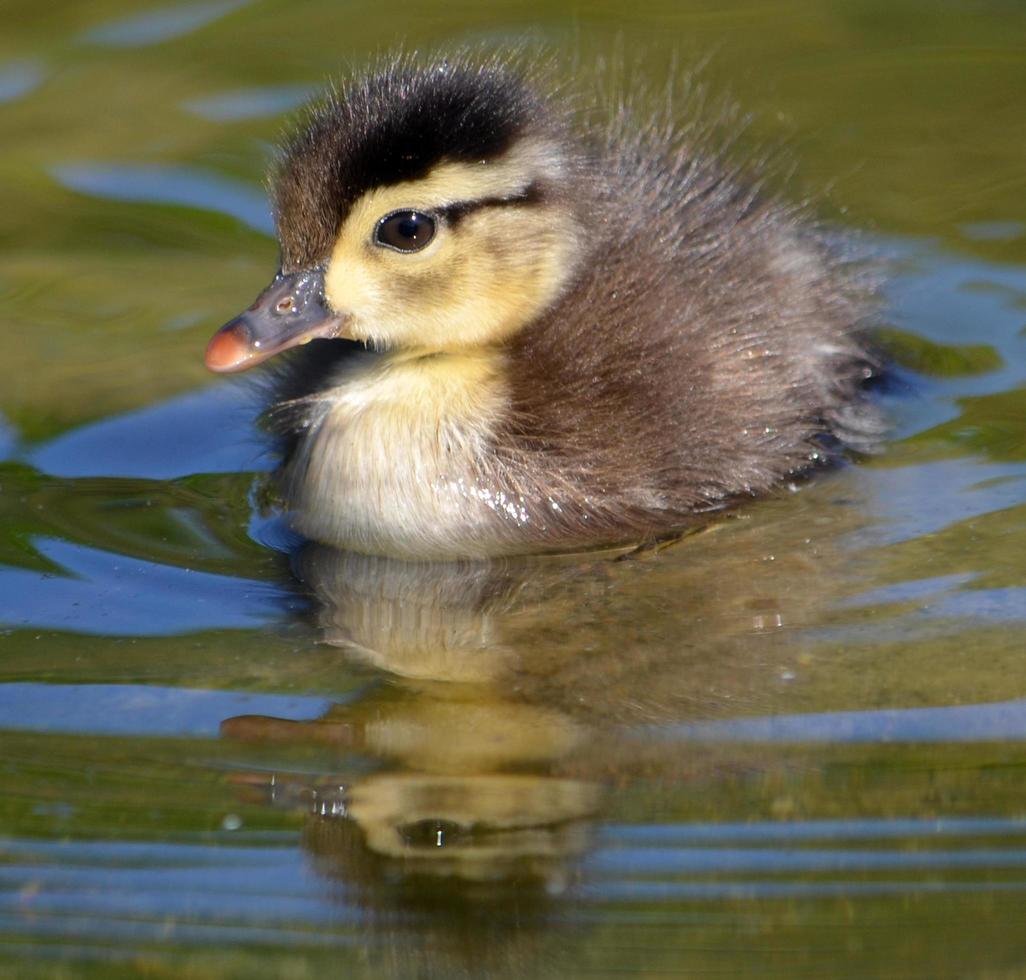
708,347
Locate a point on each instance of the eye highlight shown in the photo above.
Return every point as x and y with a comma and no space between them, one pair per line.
405,231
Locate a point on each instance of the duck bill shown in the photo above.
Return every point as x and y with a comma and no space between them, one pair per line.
289,312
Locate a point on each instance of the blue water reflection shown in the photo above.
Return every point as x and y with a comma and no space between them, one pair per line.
753,891
8,439
140,709
785,831
956,490
167,184
1001,721
109,594
163,24
249,103
756,860
205,431
19,78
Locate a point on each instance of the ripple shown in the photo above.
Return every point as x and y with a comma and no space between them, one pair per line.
8,439
206,431
917,590
856,828
958,490
997,605
141,709
157,26
108,594
755,891
660,861
128,892
993,231
169,184
995,722
942,297
249,103
19,78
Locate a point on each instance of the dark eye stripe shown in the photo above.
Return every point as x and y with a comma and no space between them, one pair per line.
453,213
410,231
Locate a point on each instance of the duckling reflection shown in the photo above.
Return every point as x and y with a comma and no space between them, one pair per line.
472,797
516,690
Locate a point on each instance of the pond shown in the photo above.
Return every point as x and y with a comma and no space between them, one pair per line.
792,745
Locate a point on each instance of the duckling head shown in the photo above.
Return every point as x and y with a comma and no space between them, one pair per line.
425,208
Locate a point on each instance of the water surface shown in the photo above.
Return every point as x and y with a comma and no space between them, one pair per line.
792,745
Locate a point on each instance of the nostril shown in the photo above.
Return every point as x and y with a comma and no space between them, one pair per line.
284,305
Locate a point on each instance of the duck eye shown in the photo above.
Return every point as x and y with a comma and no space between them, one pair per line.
405,231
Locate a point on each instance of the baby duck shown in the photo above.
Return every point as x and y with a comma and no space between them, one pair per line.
534,334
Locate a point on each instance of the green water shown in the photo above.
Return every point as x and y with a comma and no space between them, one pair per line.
791,746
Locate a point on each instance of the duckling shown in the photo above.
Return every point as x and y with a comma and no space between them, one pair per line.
520,332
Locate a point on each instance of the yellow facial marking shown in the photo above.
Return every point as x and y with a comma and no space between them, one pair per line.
478,281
